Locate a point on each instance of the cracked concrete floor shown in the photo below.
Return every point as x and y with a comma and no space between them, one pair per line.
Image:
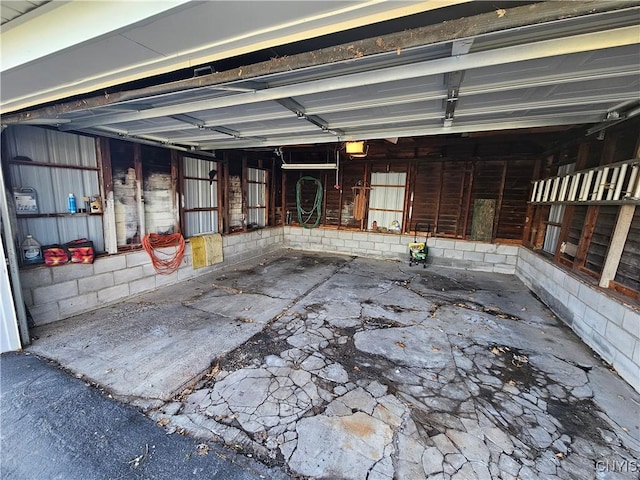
336,367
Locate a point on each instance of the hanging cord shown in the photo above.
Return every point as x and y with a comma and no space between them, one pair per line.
165,263
317,204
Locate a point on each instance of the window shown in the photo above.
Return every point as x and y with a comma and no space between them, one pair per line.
386,203
201,213
256,198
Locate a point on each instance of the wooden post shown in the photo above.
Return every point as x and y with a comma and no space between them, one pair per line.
526,231
567,217
225,194
496,219
103,150
435,226
468,201
176,182
244,185
283,196
137,162
461,201
616,247
587,233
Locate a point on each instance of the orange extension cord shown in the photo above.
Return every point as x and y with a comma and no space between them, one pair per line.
164,263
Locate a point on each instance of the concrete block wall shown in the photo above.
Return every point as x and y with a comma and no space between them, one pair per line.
609,326
469,255
55,293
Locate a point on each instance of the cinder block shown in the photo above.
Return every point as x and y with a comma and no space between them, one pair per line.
465,246
636,353
571,285
629,370
507,249
436,252
345,235
453,254
445,243
350,244
589,296
486,247
127,275
611,308
596,321
78,304
394,239
400,249
137,258
360,237
113,294
337,242
36,277
188,272
582,329
494,258
622,340
45,313
55,292
110,263
631,322
602,346
27,296
143,285
576,306
511,260
504,268
472,255
95,283
71,271
330,233
162,280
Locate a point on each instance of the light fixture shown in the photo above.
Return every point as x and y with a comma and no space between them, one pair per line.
356,149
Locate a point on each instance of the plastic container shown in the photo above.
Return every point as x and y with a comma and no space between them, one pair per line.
31,251
71,204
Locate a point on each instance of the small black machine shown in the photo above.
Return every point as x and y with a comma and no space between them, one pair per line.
418,251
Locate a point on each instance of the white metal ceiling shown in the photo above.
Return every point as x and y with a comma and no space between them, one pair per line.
570,72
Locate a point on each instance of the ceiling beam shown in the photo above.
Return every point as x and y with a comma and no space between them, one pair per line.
483,24
417,131
543,49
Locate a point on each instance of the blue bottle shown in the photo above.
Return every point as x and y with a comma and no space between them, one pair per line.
71,203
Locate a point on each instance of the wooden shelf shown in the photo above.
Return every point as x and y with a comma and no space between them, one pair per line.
58,215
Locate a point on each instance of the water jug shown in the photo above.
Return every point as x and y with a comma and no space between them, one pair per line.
31,251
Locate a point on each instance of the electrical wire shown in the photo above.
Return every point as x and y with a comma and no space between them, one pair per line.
165,263
317,204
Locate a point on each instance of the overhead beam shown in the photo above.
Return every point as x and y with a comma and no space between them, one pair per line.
526,15
412,131
543,49
299,111
530,82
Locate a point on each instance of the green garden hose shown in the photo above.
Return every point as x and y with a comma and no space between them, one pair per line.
317,204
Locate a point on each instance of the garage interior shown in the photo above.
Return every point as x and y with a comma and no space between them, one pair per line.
503,137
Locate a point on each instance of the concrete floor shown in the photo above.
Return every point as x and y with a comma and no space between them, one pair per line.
341,367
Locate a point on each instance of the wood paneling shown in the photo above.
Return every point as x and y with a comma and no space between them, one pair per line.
629,268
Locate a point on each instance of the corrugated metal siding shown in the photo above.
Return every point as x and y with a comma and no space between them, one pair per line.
53,184
200,192
256,197
200,222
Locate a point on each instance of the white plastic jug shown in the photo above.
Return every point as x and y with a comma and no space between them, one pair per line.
31,251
